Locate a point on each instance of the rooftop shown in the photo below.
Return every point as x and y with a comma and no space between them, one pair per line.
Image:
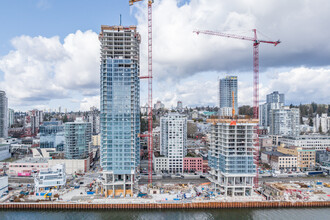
276,153
32,160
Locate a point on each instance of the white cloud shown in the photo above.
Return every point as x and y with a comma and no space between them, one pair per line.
303,85
177,52
88,102
40,69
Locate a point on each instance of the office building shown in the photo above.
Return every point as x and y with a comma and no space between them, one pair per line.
285,121
173,140
274,100
52,135
3,115
231,156
227,86
120,108
78,138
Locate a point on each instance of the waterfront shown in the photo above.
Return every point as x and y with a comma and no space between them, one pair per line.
289,213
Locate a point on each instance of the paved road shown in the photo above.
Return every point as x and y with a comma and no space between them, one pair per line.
179,180
20,180
287,179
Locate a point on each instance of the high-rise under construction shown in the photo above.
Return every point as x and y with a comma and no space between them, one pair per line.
120,108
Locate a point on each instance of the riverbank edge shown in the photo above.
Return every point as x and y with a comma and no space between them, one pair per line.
200,205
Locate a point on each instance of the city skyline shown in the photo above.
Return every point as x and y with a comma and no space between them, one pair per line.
43,66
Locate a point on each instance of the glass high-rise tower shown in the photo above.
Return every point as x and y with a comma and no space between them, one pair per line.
227,86
120,108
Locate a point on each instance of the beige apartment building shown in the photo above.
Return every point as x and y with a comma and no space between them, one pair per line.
305,157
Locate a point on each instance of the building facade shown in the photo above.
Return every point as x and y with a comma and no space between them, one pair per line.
231,156
274,100
120,108
160,164
305,157
314,142
285,121
279,161
94,118
50,178
227,86
192,164
78,138
173,140
11,117
52,135
27,166
3,115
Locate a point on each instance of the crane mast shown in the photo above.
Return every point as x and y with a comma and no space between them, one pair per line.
256,43
149,77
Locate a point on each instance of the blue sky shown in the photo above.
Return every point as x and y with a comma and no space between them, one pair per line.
58,17
49,50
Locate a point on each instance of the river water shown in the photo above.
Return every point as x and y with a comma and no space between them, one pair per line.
264,214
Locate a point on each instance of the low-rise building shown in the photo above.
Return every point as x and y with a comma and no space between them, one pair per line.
316,142
44,152
72,166
53,177
27,166
305,157
279,161
192,164
160,164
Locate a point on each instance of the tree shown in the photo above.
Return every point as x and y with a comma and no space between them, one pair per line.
65,119
314,107
245,110
311,122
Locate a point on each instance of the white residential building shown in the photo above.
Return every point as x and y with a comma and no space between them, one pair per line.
173,140
160,164
314,142
274,100
321,123
285,121
226,111
51,177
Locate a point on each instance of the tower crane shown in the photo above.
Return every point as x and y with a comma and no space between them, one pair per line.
149,77
256,43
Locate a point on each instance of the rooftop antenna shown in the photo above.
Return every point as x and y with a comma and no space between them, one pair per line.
120,20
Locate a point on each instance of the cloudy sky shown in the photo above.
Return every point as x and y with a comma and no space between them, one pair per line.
49,50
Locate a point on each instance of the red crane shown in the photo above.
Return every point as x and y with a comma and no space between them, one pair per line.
256,43
149,77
